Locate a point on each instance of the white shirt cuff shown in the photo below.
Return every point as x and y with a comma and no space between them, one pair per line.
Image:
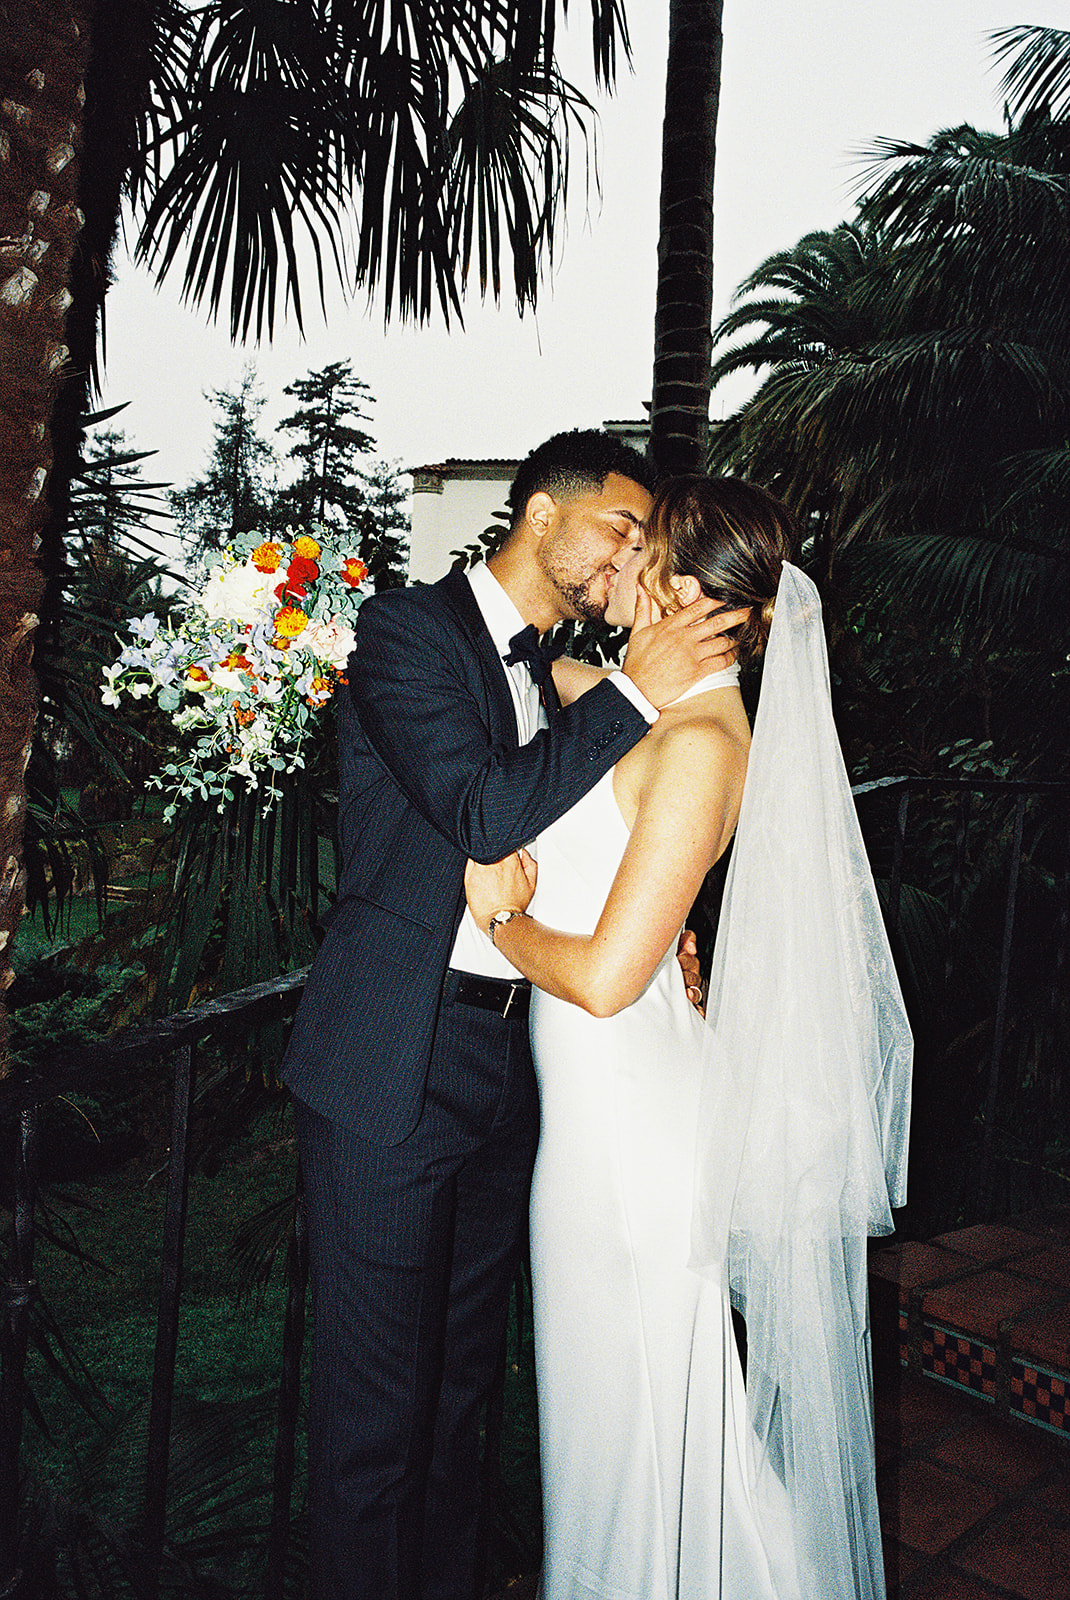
636,696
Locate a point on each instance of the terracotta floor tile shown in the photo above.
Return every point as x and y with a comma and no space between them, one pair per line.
1044,1336
980,1303
952,1585
1001,1454
1055,1495
912,1263
984,1243
915,1409
1024,1552
927,1508
1053,1221
899,1562
1052,1265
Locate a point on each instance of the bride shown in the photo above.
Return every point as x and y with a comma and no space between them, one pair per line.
682,1163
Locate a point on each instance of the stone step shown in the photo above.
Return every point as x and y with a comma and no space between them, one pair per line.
986,1310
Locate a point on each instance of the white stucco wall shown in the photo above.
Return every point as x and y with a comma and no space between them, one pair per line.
451,505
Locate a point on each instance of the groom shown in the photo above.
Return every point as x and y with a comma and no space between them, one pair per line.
414,1096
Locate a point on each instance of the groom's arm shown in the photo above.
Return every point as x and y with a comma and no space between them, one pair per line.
413,685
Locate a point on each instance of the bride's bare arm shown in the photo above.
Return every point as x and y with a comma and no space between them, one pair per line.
687,812
573,678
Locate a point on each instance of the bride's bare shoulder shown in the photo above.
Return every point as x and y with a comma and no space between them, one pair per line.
704,747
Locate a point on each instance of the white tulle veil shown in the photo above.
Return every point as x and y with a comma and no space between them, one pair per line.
802,1144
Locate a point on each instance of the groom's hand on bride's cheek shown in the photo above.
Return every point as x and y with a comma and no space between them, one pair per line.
722,648
668,653
687,956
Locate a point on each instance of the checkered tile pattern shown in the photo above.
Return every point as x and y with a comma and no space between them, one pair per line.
962,1362
1043,1397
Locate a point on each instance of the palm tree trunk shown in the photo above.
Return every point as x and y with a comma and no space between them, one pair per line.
679,432
42,63
116,79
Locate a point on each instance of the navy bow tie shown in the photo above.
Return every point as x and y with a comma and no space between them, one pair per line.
538,658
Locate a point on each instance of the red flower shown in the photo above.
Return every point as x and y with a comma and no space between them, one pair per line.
299,574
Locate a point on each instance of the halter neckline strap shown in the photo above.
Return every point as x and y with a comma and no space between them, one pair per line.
727,678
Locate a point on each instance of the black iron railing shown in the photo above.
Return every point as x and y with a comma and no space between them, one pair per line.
937,866
178,1038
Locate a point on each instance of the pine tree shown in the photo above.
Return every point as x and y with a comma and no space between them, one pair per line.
235,492
327,444
333,490
385,525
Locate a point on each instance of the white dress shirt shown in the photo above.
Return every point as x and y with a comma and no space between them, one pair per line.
472,950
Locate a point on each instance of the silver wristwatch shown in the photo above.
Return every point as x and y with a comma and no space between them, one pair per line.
499,918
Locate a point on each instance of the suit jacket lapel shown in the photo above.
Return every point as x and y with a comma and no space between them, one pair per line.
456,594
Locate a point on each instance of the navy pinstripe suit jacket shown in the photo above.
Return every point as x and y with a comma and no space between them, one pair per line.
431,773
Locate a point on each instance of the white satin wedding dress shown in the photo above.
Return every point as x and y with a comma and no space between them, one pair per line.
647,1487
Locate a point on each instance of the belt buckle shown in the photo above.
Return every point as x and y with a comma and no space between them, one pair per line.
513,987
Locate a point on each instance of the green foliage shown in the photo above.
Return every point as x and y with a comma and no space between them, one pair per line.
79,742
57,1008
915,412
384,527
484,545
86,1467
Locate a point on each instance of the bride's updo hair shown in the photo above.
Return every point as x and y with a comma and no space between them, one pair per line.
730,535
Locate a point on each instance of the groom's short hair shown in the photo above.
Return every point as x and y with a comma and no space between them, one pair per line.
576,463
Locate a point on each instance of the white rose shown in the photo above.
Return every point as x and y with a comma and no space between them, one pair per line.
237,594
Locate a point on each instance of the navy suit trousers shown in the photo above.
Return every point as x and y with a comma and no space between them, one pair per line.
413,1248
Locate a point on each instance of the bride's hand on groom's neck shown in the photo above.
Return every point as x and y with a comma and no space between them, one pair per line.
669,652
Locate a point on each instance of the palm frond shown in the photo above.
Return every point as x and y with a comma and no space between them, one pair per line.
1038,70
964,580
1038,475
439,130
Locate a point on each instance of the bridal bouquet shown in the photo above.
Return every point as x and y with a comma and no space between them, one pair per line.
249,663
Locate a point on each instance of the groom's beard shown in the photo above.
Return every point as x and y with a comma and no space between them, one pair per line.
580,601
586,596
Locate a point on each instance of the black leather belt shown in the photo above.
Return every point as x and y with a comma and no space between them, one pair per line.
509,998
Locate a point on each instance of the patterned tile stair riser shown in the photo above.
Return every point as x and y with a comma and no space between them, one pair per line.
984,1312
1041,1397
961,1362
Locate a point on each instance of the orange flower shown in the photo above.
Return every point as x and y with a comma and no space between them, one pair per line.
197,675
267,557
354,571
319,687
243,718
307,547
290,621
237,659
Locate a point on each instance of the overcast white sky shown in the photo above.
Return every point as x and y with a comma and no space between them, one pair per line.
805,87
